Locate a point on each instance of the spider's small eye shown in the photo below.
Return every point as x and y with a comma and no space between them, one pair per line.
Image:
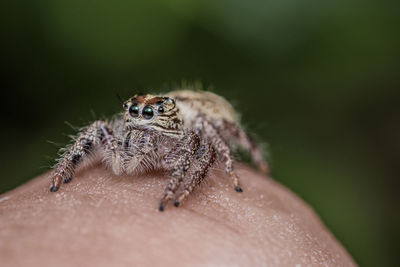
160,109
134,110
147,112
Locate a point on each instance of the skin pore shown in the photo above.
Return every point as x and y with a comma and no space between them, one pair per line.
100,219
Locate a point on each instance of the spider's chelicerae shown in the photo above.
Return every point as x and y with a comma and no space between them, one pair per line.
182,132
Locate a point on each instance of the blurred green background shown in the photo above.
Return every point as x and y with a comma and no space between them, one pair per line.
318,80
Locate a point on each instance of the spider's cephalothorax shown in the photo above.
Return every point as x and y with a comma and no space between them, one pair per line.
182,132
153,112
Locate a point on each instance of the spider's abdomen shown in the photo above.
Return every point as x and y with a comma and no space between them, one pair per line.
195,104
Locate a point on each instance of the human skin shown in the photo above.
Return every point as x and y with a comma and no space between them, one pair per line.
100,219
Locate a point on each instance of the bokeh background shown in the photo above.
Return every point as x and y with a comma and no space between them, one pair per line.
317,80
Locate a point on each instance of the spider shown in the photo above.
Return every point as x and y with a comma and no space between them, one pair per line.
182,132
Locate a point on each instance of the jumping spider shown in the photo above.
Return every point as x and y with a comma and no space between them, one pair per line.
183,132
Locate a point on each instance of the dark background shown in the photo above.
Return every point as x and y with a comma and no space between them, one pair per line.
317,80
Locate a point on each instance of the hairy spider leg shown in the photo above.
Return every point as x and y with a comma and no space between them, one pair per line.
186,151
246,142
222,148
205,157
92,135
112,148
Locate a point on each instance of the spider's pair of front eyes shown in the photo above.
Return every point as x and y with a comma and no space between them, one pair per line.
147,111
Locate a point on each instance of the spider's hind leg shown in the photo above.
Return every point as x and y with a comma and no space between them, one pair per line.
245,141
222,148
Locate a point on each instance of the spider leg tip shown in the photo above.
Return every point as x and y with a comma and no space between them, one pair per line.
238,189
54,188
176,203
161,207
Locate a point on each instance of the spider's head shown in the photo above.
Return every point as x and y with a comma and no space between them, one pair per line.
147,111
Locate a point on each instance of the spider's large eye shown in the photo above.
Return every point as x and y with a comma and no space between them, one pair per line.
147,112
134,110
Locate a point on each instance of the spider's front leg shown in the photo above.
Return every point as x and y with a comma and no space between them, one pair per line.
205,158
84,144
186,151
